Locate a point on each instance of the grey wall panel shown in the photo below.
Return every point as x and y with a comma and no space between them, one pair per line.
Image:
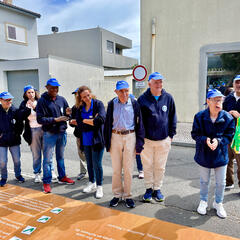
16,81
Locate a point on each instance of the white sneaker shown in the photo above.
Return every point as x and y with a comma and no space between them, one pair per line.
202,207
141,175
91,186
220,210
37,178
229,186
54,177
99,193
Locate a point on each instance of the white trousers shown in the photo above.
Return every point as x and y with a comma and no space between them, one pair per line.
154,159
123,152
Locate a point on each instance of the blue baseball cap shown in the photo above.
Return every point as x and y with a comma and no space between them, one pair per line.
156,76
121,85
212,93
53,82
237,77
28,87
75,91
6,95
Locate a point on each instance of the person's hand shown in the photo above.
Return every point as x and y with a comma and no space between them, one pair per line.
88,121
68,111
209,143
73,122
31,104
61,119
234,113
214,144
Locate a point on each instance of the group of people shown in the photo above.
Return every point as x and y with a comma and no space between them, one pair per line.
129,128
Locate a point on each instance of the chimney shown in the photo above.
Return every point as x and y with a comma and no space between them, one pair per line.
8,1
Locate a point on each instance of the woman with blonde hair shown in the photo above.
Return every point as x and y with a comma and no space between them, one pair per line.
90,118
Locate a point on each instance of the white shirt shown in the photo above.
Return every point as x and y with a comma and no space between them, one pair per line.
33,117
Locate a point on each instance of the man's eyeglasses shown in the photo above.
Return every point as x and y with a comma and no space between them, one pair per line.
216,100
7,100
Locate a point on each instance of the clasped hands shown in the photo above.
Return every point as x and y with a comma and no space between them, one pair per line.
212,144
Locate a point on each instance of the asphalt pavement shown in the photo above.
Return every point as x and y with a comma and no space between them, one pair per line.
181,190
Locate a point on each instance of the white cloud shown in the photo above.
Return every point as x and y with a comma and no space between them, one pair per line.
121,17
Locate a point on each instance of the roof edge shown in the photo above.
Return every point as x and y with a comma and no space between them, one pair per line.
21,10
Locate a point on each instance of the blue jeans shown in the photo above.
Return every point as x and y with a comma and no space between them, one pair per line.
220,178
51,140
15,152
139,163
36,148
94,164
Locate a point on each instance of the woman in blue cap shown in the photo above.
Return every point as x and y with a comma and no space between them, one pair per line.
212,130
10,137
33,133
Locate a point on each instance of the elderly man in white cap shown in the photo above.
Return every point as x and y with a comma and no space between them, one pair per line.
159,120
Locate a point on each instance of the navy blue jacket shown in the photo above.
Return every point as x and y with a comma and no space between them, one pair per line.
25,111
48,109
159,116
99,116
139,129
230,103
11,126
76,131
222,130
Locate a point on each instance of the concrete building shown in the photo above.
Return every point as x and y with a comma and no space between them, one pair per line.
18,32
95,46
20,64
176,39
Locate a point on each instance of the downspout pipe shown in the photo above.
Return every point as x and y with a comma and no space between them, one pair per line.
153,44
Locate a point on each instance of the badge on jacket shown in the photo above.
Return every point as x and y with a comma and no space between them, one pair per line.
164,108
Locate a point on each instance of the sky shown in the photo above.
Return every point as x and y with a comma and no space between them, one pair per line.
118,16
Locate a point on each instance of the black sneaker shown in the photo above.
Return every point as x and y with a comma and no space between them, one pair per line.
3,182
129,203
20,179
114,202
81,176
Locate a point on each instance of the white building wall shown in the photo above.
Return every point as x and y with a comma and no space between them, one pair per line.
182,29
72,74
10,50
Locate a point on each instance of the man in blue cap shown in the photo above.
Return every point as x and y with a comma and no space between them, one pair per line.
10,137
212,130
124,138
159,119
231,104
52,113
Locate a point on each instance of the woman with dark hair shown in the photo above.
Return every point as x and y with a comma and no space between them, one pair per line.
90,118
33,133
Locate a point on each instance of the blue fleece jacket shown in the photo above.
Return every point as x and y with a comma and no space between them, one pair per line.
11,126
159,116
222,129
48,109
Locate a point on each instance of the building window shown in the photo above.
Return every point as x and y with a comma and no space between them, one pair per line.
110,46
118,51
16,33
